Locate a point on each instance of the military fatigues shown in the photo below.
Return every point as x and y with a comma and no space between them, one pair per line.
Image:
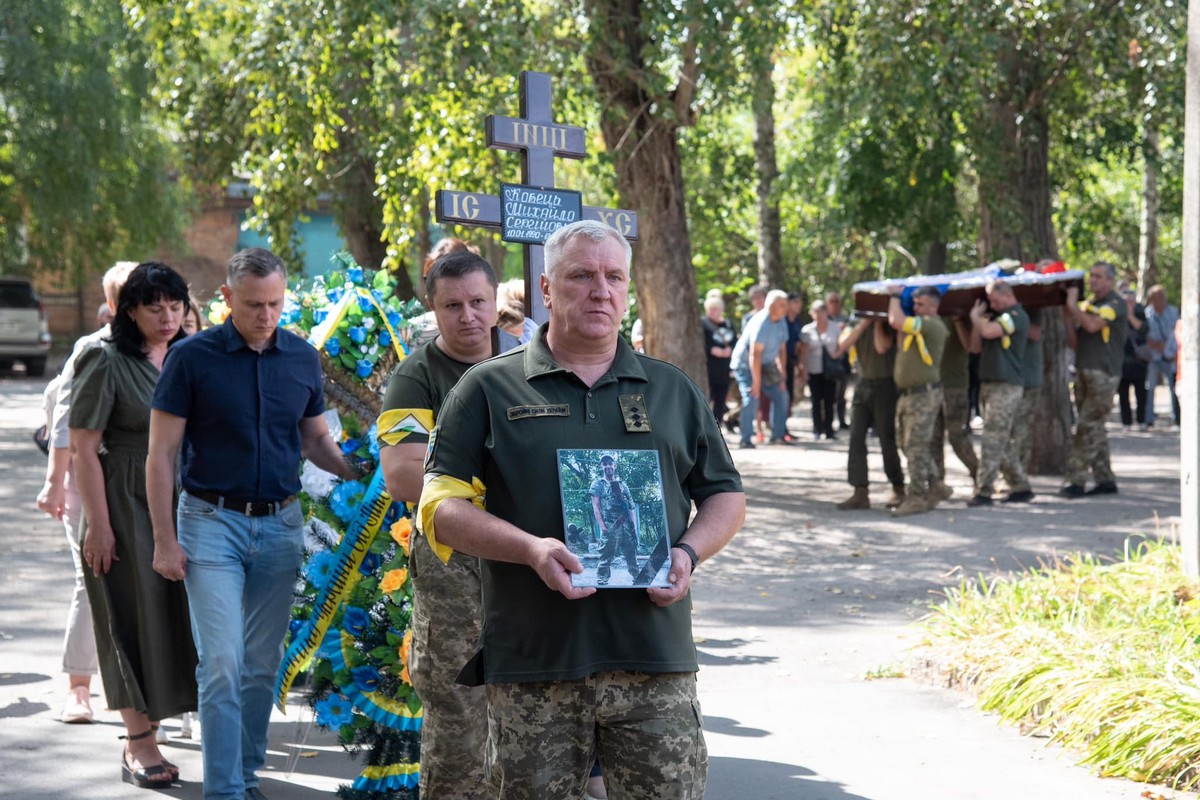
510,415
920,402
1022,444
952,424
1098,361
873,405
616,509
446,616
1002,383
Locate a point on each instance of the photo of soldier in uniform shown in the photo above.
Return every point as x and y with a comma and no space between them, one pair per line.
614,519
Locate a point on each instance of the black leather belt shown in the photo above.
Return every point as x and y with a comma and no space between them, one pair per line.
922,389
251,508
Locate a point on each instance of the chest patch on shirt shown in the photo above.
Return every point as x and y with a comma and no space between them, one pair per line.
525,412
633,411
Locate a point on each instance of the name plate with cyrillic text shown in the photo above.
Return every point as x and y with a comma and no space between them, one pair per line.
529,214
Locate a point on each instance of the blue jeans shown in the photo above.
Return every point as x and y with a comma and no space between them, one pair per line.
240,576
1167,370
779,406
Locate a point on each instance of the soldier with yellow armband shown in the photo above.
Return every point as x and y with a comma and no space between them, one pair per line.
1099,328
461,290
918,378
1002,339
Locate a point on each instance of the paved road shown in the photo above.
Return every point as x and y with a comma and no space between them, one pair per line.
790,619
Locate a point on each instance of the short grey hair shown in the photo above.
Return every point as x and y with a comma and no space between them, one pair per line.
591,230
712,302
776,294
1108,268
254,261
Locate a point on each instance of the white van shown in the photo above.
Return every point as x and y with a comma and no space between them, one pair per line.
24,332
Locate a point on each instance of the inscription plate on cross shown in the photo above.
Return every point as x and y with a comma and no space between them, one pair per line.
539,140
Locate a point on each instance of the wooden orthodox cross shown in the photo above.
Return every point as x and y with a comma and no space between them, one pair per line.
530,211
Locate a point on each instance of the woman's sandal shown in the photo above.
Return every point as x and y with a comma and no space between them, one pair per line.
171,768
144,778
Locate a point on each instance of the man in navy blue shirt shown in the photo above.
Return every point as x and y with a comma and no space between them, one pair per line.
245,398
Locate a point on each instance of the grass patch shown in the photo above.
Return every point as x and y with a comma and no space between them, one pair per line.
1100,656
884,671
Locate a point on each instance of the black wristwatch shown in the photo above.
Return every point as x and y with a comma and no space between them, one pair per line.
687,548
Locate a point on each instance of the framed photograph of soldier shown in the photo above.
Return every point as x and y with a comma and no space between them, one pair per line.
614,517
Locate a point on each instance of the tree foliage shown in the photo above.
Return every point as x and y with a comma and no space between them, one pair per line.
85,174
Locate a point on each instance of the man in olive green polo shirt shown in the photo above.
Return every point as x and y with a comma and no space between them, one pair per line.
572,672
918,379
1002,337
1098,329
956,408
460,289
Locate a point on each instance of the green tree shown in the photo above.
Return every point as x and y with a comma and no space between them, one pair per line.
85,174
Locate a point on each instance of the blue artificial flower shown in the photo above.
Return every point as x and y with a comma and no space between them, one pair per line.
335,294
394,512
331,645
334,711
320,567
385,338
358,334
364,303
345,499
354,275
333,347
364,368
350,445
294,626
373,442
355,621
393,318
366,678
319,315
370,563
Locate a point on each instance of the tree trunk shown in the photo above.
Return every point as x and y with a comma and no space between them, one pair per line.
770,251
1147,274
1016,222
641,132
934,262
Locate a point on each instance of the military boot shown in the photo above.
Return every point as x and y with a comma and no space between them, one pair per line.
939,491
897,496
913,504
860,499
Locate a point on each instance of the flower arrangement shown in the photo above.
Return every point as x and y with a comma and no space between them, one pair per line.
350,624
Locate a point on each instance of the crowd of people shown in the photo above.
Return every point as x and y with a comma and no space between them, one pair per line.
175,458
917,374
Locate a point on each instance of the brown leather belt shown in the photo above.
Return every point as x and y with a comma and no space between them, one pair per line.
251,508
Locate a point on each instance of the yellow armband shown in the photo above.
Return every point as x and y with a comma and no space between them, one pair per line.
443,487
1105,313
398,424
1006,324
912,327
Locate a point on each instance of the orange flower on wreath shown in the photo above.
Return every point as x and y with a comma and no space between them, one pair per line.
405,647
393,580
401,531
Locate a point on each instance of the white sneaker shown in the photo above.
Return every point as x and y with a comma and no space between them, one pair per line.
186,729
77,710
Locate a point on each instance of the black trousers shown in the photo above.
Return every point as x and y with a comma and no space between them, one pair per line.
873,406
821,390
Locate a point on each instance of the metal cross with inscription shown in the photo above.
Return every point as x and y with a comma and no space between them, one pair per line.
539,140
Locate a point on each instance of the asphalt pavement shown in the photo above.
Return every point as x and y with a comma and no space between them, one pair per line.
790,619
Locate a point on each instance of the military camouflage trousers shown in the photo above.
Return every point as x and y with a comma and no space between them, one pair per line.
1094,391
646,729
916,418
1000,404
953,427
446,623
1022,441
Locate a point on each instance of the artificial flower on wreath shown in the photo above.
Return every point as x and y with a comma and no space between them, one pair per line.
352,619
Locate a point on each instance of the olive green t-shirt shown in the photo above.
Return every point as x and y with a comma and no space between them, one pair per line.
415,394
1033,363
956,362
1092,352
1005,364
911,370
510,416
873,365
